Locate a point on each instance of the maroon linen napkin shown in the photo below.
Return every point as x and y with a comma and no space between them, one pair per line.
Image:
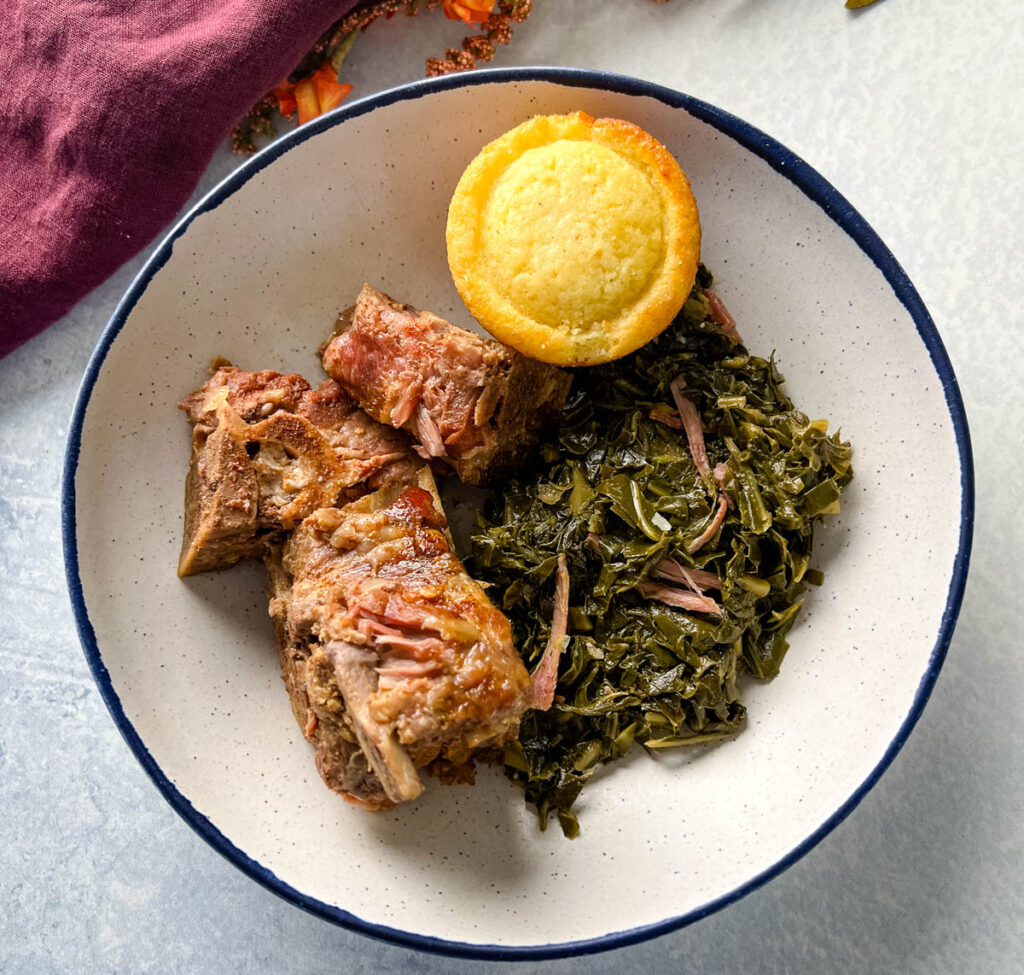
109,112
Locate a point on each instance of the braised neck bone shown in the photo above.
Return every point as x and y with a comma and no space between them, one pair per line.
469,401
268,449
421,661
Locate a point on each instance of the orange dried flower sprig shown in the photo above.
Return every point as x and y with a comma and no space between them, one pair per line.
312,96
496,28
470,11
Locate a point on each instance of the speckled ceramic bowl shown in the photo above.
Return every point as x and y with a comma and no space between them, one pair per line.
256,272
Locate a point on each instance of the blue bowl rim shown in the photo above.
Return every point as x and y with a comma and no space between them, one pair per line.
781,159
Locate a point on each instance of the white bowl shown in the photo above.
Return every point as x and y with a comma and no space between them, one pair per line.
256,273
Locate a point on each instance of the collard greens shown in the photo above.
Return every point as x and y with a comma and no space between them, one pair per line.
617,492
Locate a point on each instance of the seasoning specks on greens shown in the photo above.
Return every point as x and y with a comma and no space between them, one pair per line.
617,491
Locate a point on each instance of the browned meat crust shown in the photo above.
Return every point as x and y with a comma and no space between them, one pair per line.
468,400
402,651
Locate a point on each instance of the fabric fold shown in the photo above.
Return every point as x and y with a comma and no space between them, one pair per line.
109,114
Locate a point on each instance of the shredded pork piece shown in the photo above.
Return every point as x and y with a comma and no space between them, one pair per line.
545,676
692,425
709,532
403,669
721,315
663,415
406,403
427,433
697,579
679,598
418,647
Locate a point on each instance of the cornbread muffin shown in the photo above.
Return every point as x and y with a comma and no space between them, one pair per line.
572,239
